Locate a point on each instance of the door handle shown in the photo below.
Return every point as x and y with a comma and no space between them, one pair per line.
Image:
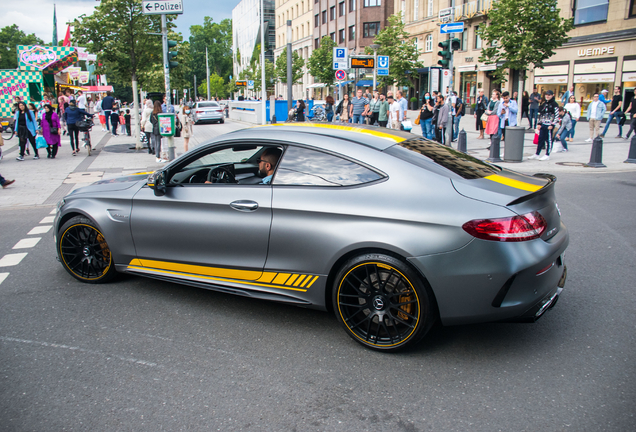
244,205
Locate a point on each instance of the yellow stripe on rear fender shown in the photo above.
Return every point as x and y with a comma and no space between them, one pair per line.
514,183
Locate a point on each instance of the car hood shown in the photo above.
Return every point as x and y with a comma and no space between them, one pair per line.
115,184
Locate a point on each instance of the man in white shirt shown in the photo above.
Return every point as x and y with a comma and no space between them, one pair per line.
81,100
595,111
396,113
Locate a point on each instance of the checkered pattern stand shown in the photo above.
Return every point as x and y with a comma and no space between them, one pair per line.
10,88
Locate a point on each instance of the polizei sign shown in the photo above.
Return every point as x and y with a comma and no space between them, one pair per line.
159,7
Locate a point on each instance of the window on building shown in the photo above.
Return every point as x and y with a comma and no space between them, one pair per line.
352,32
352,5
429,9
297,14
632,8
416,42
464,39
370,29
341,35
371,3
332,35
316,42
316,20
477,38
302,30
341,9
324,17
589,11
316,1
416,9
428,45
332,13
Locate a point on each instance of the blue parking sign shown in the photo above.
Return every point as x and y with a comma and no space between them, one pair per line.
340,53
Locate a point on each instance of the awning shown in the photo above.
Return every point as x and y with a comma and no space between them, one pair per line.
340,84
468,68
365,83
316,85
97,89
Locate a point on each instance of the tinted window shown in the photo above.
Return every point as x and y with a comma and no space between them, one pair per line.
306,167
207,105
421,152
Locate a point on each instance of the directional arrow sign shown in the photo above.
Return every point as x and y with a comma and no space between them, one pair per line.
456,27
162,7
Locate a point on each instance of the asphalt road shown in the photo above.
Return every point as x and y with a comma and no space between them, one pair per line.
145,355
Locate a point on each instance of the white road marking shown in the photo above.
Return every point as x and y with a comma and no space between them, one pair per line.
83,350
42,229
12,259
3,276
53,211
48,219
27,243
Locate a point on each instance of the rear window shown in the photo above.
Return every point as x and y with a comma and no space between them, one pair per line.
423,152
208,105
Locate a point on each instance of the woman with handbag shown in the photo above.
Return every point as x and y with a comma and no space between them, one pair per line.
426,119
156,134
343,109
51,131
492,125
146,125
480,108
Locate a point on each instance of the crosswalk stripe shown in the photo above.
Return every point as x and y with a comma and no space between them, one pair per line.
3,276
42,229
12,259
27,243
47,220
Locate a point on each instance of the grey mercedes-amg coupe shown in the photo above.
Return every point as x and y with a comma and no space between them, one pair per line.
389,230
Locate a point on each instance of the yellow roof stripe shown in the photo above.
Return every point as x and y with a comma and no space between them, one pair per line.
514,183
374,133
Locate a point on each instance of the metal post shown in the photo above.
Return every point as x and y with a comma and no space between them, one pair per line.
207,72
263,83
166,72
631,156
290,95
195,88
449,124
596,156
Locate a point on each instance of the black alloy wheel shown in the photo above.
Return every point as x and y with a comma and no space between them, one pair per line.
381,302
84,252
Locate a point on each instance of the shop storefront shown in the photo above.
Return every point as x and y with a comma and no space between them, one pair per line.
553,76
468,84
592,77
628,79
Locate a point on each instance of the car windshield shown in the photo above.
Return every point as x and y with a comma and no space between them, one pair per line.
230,155
422,152
208,105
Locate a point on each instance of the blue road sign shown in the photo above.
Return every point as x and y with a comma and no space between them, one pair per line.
340,53
456,27
383,72
383,62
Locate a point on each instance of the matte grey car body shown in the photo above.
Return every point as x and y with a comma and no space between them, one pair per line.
339,194
207,111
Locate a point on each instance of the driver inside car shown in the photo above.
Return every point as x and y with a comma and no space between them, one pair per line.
266,164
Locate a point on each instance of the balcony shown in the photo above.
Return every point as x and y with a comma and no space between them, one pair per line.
472,9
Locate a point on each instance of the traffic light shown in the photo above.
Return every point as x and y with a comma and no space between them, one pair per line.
172,54
445,54
455,44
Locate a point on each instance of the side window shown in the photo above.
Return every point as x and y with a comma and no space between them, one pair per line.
304,167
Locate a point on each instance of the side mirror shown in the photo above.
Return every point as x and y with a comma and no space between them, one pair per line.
157,182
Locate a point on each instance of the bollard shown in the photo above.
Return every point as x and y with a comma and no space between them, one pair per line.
273,117
461,141
631,156
596,157
494,149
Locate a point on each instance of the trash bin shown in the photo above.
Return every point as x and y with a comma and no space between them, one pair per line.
513,147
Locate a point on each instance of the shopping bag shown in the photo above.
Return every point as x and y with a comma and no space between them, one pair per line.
40,142
417,120
407,125
536,139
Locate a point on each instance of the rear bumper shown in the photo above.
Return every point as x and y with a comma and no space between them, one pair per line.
547,303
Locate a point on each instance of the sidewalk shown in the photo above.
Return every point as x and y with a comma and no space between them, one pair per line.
615,150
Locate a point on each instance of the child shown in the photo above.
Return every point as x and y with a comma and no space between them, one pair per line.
122,122
114,119
127,119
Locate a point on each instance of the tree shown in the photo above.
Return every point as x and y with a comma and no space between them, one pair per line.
10,37
154,80
217,37
218,87
396,43
270,77
321,62
118,32
297,67
520,33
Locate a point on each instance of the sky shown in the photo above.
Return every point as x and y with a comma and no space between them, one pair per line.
36,16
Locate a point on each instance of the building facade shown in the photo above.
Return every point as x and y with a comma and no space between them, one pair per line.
300,13
600,54
246,33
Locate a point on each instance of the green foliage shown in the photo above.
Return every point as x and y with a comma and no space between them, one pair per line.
297,67
10,37
270,77
117,33
321,62
396,43
217,37
525,32
218,87
153,79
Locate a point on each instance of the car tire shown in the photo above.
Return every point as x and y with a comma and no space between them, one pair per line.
84,252
381,302
222,121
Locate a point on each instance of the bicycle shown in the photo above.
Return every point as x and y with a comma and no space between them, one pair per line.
86,127
8,130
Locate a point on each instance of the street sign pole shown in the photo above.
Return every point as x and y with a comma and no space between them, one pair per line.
449,124
207,71
166,73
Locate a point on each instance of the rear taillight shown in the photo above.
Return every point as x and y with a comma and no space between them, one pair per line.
199,112
511,229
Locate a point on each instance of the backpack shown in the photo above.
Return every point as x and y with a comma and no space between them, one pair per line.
462,110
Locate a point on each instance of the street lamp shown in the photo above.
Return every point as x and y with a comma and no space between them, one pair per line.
375,48
289,66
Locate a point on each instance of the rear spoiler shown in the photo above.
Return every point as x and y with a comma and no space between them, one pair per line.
550,184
